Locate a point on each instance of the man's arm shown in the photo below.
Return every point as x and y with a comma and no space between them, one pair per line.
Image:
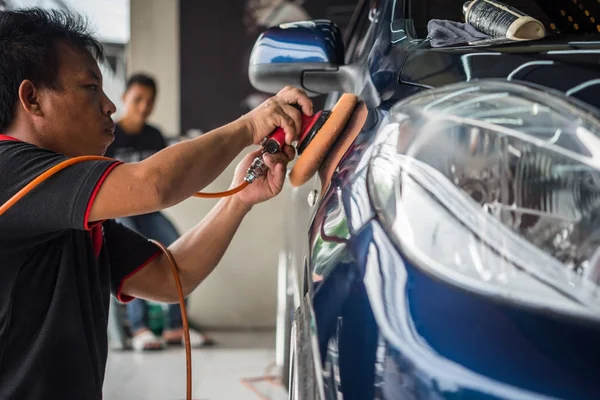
199,251
179,171
169,176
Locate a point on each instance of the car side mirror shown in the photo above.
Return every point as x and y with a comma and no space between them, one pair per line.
306,54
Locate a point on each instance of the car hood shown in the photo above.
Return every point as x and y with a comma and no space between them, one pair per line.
574,62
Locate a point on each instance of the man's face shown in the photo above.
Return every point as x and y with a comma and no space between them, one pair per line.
139,102
77,117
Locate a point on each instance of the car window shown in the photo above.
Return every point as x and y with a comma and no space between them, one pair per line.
573,17
365,24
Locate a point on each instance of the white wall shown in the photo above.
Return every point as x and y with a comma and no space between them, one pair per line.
154,48
241,293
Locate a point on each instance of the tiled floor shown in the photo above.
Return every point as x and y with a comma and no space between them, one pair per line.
217,371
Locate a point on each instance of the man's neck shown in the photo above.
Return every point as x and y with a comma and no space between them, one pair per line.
24,133
131,127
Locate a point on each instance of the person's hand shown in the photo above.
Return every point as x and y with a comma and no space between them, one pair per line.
279,112
266,186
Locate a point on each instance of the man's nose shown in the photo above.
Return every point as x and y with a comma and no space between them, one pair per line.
108,107
145,108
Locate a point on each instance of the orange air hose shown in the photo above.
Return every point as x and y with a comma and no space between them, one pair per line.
222,194
67,163
184,319
47,174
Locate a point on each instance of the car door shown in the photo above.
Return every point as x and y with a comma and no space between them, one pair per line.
294,262
331,278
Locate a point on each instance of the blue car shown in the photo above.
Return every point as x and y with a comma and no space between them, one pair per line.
448,247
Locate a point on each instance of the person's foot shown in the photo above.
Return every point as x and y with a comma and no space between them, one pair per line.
145,340
120,345
197,339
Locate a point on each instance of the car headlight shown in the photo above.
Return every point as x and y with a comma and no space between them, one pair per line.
495,187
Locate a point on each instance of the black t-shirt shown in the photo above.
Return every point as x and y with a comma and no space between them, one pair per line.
137,147
56,275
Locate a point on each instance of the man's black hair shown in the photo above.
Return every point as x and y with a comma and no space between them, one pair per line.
28,50
141,79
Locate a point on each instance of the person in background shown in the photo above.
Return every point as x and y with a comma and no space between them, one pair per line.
136,140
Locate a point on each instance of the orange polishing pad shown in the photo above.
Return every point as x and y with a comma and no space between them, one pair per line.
342,144
316,151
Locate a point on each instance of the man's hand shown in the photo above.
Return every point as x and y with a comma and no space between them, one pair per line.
279,112
267,186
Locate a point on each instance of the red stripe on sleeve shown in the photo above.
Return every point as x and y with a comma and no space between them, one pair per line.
123,297
86,224
6,137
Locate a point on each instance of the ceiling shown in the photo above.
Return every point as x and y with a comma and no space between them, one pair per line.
109,18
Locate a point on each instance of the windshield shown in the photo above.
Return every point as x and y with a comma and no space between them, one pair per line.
560,17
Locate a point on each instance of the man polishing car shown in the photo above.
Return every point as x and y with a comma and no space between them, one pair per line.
61,253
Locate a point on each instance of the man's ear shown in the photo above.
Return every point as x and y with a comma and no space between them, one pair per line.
29,96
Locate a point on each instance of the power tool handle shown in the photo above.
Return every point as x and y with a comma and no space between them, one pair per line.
276,140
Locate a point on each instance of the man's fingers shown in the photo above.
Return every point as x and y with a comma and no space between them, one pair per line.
269,160
288,125
296,115
293,95
281,158
273,159
290,152
278,177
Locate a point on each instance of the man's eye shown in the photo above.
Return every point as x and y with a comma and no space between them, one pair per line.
93,87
